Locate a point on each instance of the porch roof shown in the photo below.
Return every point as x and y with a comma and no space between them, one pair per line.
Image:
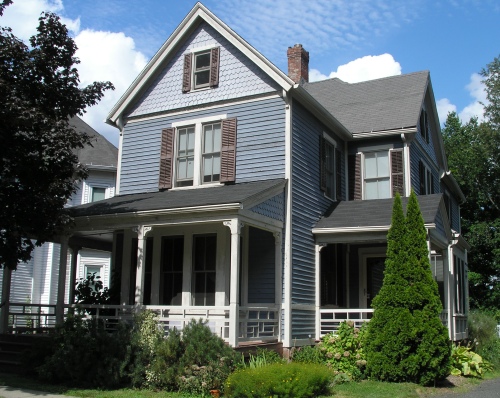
178,199
373,214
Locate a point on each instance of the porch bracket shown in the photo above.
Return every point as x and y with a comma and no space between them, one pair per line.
235,226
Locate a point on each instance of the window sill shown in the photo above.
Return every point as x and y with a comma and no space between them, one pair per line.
217,184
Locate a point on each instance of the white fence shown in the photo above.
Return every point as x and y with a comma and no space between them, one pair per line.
330,319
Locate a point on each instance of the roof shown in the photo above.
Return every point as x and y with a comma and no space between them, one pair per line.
374,213
101,152
375,105
178,199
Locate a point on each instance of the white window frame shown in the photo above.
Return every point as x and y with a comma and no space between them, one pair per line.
363,172
194,71
101,273
91,192
427,179
198,149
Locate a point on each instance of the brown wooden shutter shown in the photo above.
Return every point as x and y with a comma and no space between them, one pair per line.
354,166
228,151
338,174
214,67
186,76
166,158
322,164
421,176
397,172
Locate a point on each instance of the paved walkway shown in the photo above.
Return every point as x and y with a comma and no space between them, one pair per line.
10,392
487,389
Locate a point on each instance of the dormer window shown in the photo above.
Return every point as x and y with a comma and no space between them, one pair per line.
201,70
424,126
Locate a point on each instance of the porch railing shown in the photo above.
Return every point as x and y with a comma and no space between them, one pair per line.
255,322
330,319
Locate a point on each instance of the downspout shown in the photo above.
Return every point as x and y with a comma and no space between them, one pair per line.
407,168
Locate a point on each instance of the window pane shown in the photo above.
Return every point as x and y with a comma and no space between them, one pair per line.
216,168
382,164
202,60
201,78
384,189
217,135
371,190
207,169
98,194
370,165
208,139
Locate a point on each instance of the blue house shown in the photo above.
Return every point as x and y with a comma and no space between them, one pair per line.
261,202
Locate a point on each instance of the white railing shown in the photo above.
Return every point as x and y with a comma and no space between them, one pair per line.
461,330
330,319
31,317
259,323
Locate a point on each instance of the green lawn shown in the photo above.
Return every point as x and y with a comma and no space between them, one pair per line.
351,390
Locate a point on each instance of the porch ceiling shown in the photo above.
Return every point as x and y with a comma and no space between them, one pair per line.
371,215
181,199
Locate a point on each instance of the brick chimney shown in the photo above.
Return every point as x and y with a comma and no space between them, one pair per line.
298,63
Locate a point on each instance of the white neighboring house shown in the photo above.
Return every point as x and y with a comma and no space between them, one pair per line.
36,280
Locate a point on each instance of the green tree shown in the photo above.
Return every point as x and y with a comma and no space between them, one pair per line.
473,151
491,80
406,341
39,93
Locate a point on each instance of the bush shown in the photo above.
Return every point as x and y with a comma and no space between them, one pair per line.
466,362
295,380
263,357
85,355
344,351
406,341
484,336
308,354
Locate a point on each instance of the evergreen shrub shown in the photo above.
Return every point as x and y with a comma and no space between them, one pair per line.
406,341
483,335
295,380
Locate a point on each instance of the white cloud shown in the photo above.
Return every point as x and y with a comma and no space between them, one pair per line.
444,106
107,56
366,68
22,16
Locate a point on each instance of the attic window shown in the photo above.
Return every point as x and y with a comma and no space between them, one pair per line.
424,126
201,70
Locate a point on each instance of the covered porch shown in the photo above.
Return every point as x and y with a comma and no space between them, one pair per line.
351,247
212,253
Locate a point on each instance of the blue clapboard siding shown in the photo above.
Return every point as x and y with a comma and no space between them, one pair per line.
238,77
273,208
303,324
308,201
455,214
416,155
260,148
428,147
261,268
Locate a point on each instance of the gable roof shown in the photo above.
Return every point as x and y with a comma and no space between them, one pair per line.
198,14
101,153
181,200
363,214
383,104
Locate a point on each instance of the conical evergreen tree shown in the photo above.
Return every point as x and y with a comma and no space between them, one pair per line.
406,340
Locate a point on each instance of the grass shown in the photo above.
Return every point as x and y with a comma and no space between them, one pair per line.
372,389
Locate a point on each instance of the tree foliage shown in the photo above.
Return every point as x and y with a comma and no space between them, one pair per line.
473,151
406,341
39,93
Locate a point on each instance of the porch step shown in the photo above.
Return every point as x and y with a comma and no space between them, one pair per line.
247,348
12,347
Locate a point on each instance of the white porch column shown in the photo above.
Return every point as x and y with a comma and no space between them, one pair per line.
278,283
126,264
318,288
141,231
4,315
234,322
61,281
72,274
451,293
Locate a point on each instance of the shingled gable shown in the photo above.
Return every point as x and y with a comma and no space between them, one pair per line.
101,154
198,14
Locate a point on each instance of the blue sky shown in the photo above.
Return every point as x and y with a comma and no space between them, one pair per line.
353,39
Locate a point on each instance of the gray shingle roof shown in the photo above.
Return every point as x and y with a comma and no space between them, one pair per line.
101,153
382,104
374,213
223,194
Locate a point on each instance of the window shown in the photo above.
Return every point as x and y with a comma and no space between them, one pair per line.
204,262
424,126
331,164
460,271
376,175
95,271
172,259
199,152
98,194
201,69
426,179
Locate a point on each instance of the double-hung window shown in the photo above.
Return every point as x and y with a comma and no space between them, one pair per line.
426,179
197,152
201,69
377,178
